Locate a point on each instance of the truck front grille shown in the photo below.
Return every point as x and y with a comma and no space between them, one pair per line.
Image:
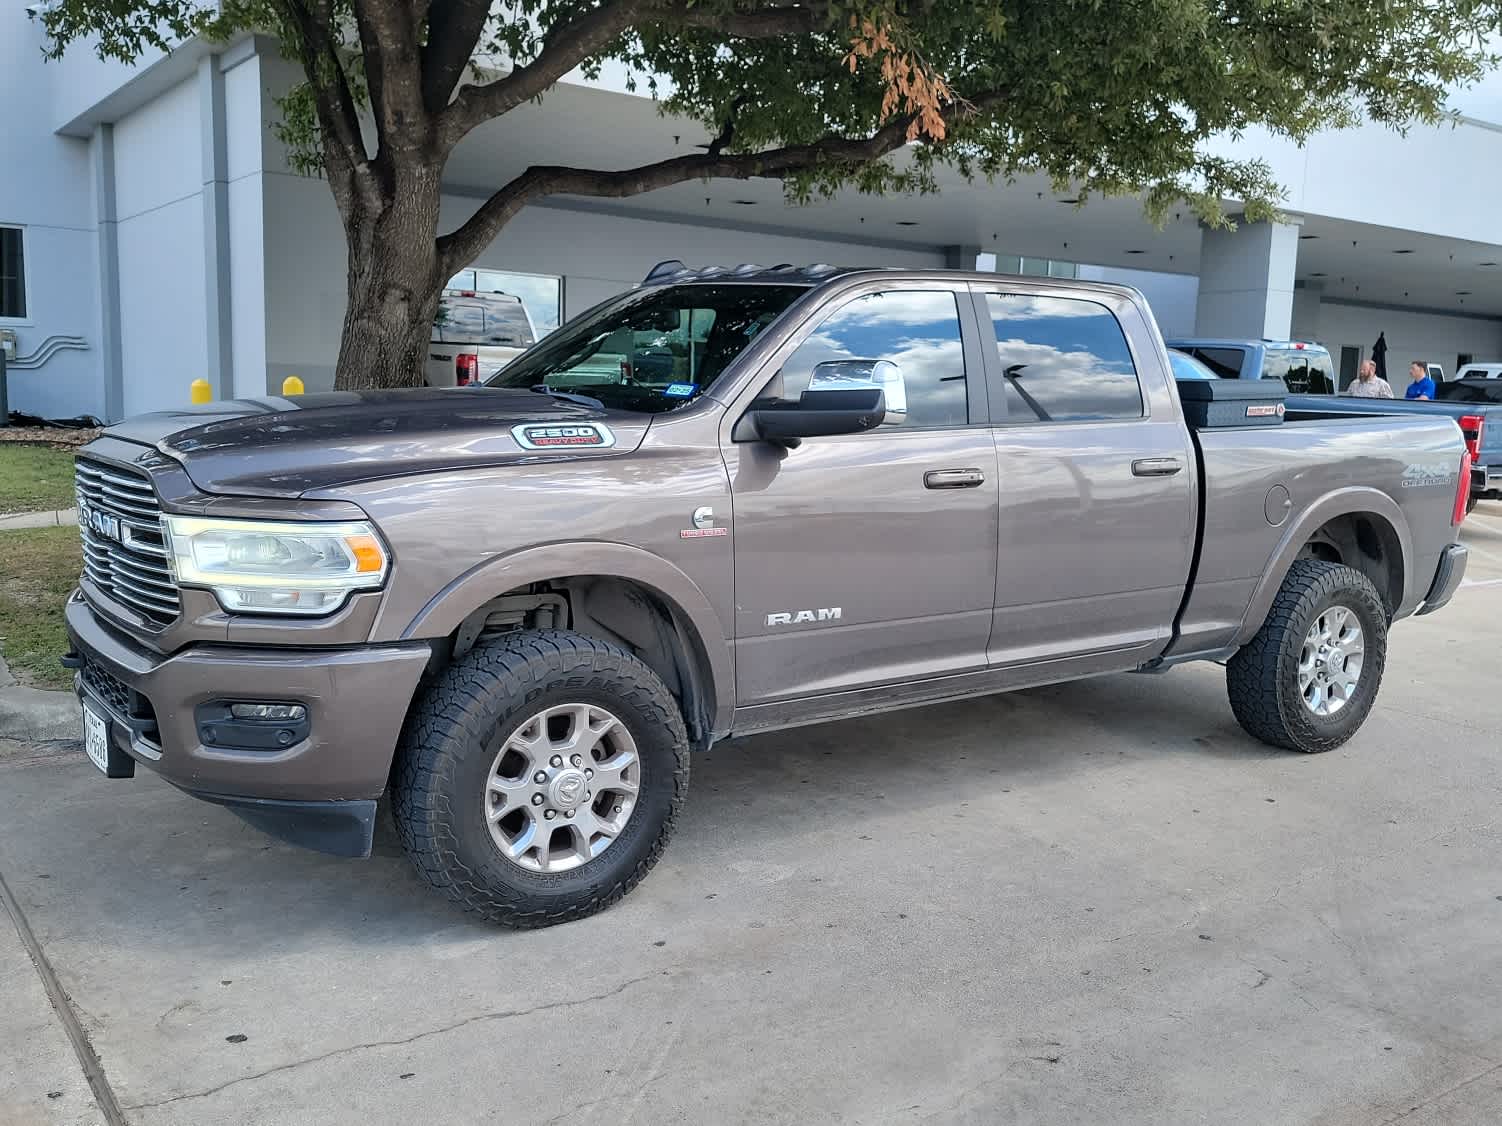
124,546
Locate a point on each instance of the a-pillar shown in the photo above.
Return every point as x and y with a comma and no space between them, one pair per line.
1246,281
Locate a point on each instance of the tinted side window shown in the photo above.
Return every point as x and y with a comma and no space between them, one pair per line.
918,332
1064,359
1302,371
1224,362
459,323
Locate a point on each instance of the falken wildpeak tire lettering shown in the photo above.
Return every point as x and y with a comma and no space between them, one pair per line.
449,745
1262,679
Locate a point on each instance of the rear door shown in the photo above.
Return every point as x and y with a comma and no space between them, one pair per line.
866,559
1096,475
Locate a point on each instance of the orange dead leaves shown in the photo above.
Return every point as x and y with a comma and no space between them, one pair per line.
911,85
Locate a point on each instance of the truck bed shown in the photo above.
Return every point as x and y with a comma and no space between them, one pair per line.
1315,459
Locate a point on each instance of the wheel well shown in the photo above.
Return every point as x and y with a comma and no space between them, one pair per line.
1368,543
623,612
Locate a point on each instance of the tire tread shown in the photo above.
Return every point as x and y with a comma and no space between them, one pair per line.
460,709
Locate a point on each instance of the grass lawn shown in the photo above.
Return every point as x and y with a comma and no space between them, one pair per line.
38,567
35,478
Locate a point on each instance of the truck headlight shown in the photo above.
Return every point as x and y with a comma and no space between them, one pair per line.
261,567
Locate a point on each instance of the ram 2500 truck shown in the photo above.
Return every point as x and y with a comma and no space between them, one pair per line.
516,609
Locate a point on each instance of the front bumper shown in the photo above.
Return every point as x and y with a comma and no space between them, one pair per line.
320,790
1447,577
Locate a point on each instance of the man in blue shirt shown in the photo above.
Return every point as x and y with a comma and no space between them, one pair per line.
1421,386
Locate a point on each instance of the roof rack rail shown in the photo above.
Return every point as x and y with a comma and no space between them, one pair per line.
665,269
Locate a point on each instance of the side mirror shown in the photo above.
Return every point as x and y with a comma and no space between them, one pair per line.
816,414
850,375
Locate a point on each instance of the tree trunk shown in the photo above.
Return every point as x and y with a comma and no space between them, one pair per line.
394,284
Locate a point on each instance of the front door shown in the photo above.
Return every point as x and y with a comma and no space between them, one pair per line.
1097,501
870,558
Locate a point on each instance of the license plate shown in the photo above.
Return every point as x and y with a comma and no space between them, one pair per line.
96,738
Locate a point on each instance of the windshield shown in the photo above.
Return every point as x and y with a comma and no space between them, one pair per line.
651,350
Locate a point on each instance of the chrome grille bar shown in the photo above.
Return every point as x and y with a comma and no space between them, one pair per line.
124,546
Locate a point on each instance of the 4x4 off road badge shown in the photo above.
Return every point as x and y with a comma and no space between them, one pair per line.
543,436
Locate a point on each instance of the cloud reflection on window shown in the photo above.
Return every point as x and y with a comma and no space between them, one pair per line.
1063,360
917,331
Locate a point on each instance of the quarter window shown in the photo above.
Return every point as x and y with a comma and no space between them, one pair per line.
1063,359
1224,362
12,274
905,341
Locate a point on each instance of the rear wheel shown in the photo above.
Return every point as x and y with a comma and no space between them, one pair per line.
539,779
1309,677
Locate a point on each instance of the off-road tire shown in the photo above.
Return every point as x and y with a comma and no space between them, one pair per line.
443,763
1262,678
1470,504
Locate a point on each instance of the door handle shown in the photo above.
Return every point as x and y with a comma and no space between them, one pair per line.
953,478
1156,466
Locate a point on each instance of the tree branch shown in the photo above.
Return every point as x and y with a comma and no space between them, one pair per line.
338,117
570,43
454,29
460,247
393,72
727,132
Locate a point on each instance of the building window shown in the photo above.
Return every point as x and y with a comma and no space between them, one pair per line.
12,275
541,294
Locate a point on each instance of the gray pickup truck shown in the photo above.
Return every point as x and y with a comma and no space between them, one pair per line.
517,608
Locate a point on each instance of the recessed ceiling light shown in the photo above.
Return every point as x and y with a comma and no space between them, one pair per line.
1069,201
907,222
1136,252
1402,251
1488,263
744,202
1462,293
1306,238
1319,275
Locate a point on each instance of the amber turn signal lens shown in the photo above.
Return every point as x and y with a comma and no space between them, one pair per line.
367,553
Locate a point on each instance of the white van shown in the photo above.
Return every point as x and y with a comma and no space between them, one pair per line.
475,335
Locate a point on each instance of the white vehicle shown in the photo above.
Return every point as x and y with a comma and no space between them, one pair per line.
475,335
1480,371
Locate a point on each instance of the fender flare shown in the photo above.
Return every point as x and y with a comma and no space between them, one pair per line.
1352,500
679,593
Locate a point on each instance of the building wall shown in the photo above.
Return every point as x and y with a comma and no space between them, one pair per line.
158,185
1410,336
598,256
1171,296
46,189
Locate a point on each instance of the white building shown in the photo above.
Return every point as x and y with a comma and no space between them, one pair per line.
152,232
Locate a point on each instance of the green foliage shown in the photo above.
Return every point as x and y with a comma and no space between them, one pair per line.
1103,96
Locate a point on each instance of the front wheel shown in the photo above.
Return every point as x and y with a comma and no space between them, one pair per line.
1309,677
539,778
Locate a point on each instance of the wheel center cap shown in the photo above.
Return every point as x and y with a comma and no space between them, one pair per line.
566,790
1335,663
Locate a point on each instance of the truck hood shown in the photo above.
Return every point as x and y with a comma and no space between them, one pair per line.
275,447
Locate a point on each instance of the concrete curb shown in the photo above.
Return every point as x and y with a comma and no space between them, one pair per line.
34,715
63,517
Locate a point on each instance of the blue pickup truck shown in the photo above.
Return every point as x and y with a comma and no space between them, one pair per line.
1306,370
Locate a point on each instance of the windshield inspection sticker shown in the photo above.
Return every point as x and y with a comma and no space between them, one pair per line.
680,390
541,436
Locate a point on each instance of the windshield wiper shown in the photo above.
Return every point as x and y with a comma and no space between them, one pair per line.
585,400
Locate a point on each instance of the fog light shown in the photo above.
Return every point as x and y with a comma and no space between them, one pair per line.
270,713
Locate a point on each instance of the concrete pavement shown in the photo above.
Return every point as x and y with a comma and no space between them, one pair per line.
1097,902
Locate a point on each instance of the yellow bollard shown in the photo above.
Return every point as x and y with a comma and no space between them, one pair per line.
199,391
292,386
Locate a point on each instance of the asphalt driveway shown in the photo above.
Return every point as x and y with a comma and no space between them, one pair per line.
1097,902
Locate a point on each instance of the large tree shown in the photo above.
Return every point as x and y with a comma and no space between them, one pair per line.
1108,96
